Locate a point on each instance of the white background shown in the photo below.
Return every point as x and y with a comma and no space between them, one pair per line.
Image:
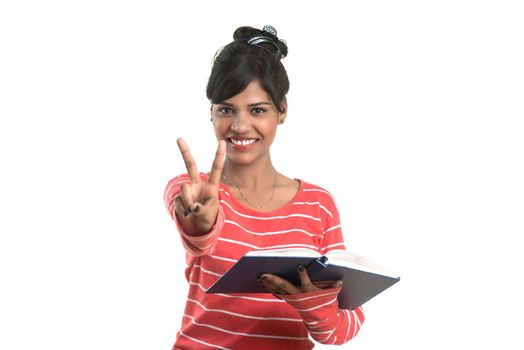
409,112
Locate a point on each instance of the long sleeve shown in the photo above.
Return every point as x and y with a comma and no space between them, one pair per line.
260,321
194,245
324,320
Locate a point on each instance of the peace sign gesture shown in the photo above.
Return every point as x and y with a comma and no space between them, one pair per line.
197,204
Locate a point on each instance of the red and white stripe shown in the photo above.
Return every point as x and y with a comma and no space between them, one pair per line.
261,321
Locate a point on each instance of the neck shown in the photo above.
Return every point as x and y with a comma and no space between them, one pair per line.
251,177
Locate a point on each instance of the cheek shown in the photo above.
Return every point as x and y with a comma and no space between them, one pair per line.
221,128
268,128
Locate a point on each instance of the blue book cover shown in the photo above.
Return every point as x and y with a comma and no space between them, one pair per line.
362,279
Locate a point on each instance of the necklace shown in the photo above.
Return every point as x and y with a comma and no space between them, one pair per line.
244,196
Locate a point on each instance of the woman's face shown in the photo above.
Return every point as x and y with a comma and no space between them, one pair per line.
248,123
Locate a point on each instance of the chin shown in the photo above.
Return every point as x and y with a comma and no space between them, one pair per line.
243,159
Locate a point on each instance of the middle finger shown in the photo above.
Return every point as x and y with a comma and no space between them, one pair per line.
218,164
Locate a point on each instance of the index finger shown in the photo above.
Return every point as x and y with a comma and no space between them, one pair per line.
218,164
188,160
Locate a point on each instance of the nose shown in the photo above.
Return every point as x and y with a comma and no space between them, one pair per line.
241,123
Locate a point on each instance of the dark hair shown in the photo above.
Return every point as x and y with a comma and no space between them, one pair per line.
240,63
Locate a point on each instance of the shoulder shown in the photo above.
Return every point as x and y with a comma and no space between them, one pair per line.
316,192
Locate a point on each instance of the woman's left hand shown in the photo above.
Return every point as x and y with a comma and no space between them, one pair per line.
276,285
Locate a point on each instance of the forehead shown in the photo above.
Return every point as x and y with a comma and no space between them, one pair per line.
253,93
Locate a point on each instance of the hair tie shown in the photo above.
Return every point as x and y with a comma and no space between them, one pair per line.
267,41
271,31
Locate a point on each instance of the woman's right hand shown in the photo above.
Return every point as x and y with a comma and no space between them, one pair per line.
197,204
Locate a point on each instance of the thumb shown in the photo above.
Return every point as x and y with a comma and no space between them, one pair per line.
196,209
204,214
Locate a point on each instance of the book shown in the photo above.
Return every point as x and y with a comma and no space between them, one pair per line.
362,278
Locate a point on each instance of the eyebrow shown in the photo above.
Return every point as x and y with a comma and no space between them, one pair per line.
250,105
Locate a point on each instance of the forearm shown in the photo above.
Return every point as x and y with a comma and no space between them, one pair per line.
201,244
324,320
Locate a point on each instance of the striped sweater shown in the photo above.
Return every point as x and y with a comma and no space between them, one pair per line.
261,321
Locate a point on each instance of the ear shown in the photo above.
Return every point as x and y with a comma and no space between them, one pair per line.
282,116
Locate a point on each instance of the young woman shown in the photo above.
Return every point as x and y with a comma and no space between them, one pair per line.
245,204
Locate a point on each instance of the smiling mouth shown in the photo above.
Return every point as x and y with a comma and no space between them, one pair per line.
242,142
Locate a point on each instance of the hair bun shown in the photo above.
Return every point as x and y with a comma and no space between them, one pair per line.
266,39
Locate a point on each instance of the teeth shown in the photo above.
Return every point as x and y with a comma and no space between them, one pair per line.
243,142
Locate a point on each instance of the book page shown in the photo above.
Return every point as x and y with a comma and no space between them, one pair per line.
342,258
285,252
352,260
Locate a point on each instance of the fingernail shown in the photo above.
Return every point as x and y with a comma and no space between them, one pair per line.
264,277
300,268
187,211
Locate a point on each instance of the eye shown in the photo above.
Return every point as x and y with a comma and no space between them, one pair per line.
224,110
258,110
